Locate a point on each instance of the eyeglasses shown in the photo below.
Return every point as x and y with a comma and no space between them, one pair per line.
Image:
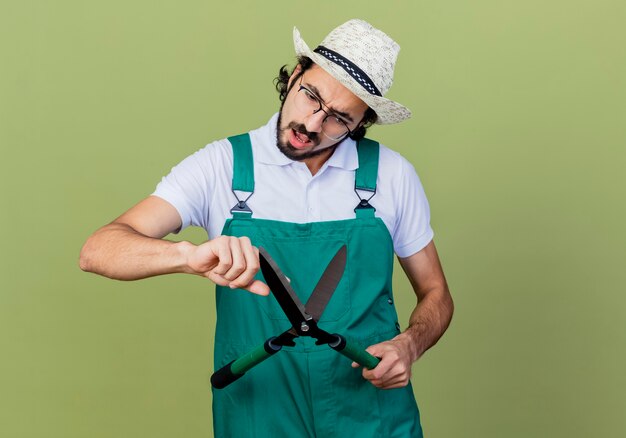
333,126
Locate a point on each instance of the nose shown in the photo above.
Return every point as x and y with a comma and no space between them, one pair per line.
313,122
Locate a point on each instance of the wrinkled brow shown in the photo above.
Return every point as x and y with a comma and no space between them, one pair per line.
343,114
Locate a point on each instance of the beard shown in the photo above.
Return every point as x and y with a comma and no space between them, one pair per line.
294,153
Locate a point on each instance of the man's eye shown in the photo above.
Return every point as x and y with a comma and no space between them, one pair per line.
337,120
308,94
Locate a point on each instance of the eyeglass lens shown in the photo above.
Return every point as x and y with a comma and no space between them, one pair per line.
332,126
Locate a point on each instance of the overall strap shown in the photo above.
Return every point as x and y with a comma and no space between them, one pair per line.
243,173
366,175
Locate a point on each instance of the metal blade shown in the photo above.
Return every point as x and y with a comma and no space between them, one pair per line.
285,295
327,284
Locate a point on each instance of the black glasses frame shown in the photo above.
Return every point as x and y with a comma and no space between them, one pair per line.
321,104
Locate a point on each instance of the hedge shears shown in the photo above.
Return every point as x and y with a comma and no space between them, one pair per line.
303,319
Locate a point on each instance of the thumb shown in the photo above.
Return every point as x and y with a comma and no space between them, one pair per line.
258,287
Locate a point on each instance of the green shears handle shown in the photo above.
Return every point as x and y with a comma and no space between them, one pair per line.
354,352
237,368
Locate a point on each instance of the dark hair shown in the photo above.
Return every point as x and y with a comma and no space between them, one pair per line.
283,88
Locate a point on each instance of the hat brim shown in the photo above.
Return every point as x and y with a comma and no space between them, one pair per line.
387,110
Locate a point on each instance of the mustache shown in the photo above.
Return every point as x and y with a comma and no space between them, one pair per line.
300,128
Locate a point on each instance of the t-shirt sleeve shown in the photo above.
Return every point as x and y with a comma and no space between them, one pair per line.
189,185
412,231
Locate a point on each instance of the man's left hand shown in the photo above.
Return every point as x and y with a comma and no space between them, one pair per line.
394,369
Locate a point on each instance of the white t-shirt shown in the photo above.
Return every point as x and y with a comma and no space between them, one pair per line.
200,189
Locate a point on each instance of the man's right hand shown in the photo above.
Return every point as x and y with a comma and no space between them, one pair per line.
228,261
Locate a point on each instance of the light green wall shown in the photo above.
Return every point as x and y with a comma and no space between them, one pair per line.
518,135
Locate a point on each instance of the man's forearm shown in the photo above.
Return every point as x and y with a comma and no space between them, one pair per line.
428,322
118,251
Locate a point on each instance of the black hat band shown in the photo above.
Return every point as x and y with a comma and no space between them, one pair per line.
350,68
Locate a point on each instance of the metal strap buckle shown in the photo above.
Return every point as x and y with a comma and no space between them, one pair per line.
242,204
364,202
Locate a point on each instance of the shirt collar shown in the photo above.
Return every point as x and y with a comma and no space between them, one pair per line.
264,142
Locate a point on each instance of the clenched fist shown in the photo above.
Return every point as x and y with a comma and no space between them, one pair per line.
228,261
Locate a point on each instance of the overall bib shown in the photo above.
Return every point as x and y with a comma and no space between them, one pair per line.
309,390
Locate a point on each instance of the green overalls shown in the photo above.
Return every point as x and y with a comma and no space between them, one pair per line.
309,390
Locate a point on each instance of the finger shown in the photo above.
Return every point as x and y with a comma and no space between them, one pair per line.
389,380
217,279
378,350
256,287
402,371
371,374
390,384
387,385
222,250
398,375
380,370
394,386
251,260
238,261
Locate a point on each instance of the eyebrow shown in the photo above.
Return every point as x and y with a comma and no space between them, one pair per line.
345,115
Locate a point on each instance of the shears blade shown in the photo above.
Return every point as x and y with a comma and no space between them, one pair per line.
327,284
284,294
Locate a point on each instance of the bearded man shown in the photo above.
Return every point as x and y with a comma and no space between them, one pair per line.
302,186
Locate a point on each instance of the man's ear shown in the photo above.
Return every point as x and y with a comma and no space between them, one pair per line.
294,74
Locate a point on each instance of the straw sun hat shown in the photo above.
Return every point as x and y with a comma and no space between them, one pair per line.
362,59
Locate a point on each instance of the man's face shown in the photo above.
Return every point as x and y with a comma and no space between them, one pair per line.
299,135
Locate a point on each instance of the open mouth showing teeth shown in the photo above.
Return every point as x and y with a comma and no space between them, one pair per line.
301,137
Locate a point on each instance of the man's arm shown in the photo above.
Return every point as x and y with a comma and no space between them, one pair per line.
428,321
132,247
